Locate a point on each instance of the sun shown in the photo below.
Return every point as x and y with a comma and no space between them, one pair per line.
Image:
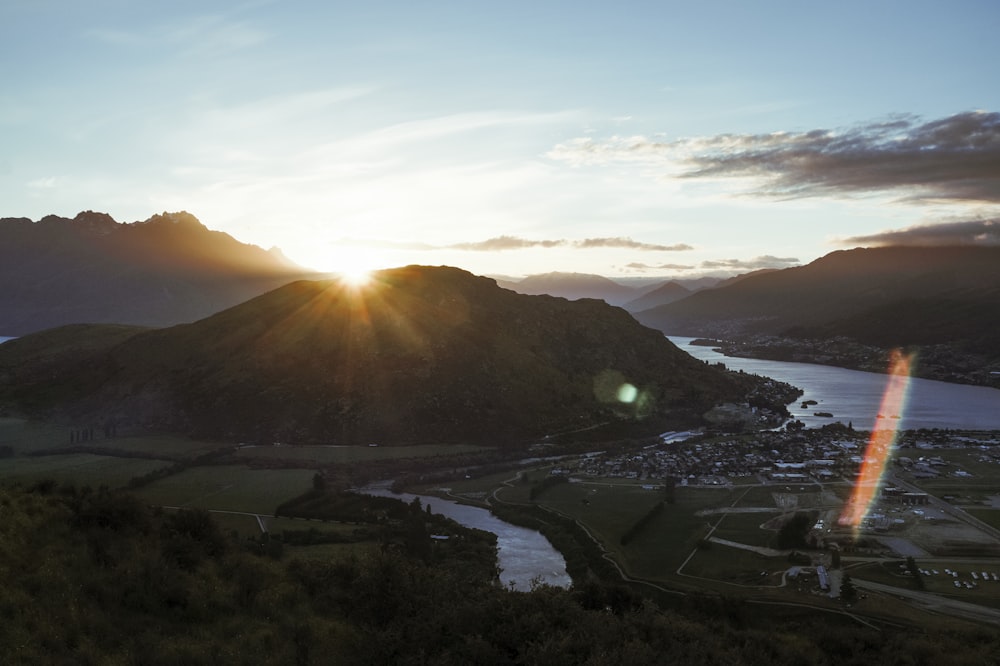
355,268
356,276
352,265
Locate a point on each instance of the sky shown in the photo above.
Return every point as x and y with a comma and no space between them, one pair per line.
627,139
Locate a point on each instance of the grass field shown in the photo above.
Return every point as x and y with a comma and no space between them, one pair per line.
889,573
983,482
735,566
26,436
228,488
352,454
989,516
745,528
81,469
611,509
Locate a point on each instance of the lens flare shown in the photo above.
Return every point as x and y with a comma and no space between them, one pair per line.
880,443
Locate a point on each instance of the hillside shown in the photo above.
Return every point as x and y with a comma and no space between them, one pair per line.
662,295
574,286
946,297
423,354
91,269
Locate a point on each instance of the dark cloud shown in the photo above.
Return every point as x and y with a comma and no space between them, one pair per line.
970,232
514,243
765,261
955,158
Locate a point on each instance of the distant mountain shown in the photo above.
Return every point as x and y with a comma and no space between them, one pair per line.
574,286
422,355
662,295
742,276
889,296
92,269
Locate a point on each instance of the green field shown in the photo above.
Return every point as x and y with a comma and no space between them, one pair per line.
609,509
735,566
983,482
81,469
745,528
989,516
889,573
229,488
26,436
327,455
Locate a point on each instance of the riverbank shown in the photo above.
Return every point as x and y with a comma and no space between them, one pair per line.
942,362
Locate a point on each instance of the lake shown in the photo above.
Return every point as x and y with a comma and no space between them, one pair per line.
522,554
854,397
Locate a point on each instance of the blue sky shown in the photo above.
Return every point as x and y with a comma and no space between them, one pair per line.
627,139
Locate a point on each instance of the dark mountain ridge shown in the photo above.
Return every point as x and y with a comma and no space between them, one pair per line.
574,286
92,269
633,297
943,299
665,293
422,355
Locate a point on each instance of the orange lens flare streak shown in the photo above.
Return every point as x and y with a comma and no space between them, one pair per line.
881,442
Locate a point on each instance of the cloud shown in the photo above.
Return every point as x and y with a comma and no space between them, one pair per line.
956,158
631,244
765,261
639,266
969,232
501,243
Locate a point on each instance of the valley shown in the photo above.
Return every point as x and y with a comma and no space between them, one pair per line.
679,514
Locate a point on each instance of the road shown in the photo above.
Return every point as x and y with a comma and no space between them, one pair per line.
936,603
947,507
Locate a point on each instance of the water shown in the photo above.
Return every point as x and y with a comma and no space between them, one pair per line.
4,339
853,396
523,554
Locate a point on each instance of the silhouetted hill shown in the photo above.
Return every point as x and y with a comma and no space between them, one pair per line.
91,269
423,354
574,286
742,276
891,296
665,293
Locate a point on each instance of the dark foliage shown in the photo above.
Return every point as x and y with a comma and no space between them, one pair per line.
792,533
135,602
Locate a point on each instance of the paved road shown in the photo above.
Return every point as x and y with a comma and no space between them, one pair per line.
936,603
947,507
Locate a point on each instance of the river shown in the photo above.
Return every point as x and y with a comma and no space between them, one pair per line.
523,554
854,397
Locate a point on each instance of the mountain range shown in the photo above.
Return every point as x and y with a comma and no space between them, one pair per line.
632,297
91,269
420,355
945,301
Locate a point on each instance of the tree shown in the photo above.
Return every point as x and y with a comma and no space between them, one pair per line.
848,593
793,533
918,577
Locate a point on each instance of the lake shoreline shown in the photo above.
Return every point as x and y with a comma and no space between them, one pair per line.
937,362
